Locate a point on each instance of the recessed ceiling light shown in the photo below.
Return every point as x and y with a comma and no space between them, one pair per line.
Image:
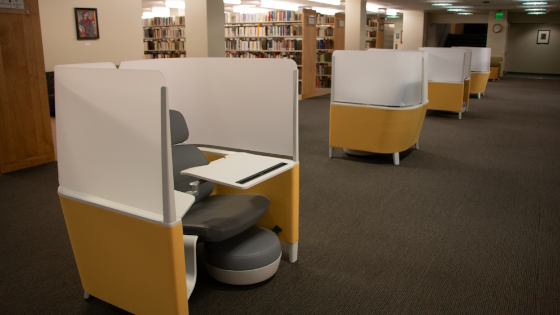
391,12
279,5
372,8
535,3
331,2
455,10
464,13
441,4
536,13
326,11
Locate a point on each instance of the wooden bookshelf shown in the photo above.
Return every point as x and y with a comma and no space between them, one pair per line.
262,36
331,29
164,37
374,32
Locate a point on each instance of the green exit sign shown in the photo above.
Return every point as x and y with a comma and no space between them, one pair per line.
499,15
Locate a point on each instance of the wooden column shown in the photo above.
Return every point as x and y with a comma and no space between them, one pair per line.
309,54
25,127
380,33
339,27
458,29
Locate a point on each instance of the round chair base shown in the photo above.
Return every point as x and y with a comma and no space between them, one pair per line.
358,153
249,257
244,277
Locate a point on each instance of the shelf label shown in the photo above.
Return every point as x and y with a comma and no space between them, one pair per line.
341,24
311,20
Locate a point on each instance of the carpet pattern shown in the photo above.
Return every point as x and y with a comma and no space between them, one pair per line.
469,224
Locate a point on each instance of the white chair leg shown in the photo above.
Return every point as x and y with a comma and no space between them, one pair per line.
396,160
460,115
86,295
417,146
189,241
293,252
482,93
478,95
330,152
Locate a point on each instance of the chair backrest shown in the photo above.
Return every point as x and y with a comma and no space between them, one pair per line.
495,61
185,156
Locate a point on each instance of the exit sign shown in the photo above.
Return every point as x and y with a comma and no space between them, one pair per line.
499,15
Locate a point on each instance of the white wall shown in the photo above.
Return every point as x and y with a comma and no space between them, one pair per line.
413,30
120,32
450,18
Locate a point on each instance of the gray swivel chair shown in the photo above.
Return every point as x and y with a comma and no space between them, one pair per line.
235,251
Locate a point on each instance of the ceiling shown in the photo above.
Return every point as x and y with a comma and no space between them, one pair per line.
475,6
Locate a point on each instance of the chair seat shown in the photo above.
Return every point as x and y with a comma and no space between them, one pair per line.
220,217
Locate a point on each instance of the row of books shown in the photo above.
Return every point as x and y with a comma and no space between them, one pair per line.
323,57
322,31
325,44
165,45
275,55
323,82
324,19
324,69
371,23
164,55
370,44
283,44
164,21
164,32
269,30
271,16
370,34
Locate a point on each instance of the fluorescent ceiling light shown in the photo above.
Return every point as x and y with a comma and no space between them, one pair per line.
391,12
536,9
326,11
175,4
331,2
248,9
372,7
535,3
536,12
464,13
392,16
441,4
455,10
147,15
279,5
232,1
161,12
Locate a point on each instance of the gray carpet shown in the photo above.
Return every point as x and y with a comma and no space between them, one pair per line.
469,224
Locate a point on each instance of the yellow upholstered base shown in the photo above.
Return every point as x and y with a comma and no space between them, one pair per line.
133,264
446,96
479,80
375,129
283,192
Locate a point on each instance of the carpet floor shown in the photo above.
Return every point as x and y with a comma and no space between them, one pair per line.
468,224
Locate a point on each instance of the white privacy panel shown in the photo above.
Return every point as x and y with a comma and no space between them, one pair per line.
468,61
95,65
446,65
248,104
378,77
109,140
426,72
480,58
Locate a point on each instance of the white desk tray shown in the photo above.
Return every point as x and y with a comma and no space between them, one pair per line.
238,166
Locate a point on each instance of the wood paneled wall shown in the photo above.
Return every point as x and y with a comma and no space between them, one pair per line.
380,34
339,31
309,56
25,127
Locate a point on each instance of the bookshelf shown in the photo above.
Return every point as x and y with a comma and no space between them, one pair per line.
330,37
164,37
276,34
374,33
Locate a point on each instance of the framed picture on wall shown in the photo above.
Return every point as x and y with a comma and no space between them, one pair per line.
87,23
543,37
